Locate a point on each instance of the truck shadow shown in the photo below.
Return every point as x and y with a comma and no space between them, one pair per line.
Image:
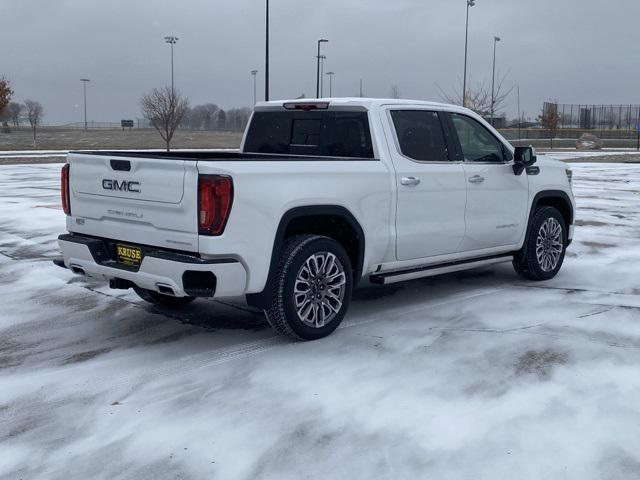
235,314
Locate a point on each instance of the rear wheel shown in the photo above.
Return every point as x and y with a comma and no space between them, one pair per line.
543,253
162,300
312,288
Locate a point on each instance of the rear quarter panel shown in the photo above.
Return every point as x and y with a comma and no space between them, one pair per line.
265,190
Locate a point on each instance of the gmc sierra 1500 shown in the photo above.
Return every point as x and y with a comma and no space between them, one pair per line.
322,195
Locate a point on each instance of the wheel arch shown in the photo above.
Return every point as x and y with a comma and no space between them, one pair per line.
552,198
555,198
333,221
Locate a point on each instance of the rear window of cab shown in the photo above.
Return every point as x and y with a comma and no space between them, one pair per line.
315,133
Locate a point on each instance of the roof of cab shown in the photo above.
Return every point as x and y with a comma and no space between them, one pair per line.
368,103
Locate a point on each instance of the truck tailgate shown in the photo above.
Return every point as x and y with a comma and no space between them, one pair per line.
148,201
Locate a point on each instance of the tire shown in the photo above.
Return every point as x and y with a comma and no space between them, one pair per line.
322,297
162,300
543,253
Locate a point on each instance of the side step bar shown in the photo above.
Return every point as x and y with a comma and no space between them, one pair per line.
433,270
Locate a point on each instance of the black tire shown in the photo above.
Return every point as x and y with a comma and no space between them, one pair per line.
527,262
282,313
162,300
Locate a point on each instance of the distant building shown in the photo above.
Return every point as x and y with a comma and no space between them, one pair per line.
498,121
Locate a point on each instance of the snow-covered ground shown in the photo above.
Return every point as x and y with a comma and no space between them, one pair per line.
469,376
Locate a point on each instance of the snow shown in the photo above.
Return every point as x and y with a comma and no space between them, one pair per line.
473,375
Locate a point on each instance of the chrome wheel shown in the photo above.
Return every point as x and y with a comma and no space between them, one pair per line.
549,244
319,289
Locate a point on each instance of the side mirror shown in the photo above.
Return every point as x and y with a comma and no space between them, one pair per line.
523,157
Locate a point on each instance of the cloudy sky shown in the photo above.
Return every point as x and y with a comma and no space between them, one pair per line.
577,51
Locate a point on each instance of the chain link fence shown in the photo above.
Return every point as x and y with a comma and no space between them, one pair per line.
596,117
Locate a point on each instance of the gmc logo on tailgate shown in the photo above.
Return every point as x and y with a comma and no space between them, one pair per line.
121,186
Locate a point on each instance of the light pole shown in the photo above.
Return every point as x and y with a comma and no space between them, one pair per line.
330,75
493,80
84,88
470,3
171,40
253,74
321,41
322,59
266,54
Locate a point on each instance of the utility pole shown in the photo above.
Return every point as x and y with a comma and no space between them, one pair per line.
322,59
253,74
171,40
493,81
519,119
84,88
470,3
361,88
330,75
320,42
266,59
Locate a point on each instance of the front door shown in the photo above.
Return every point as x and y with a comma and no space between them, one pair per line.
497,199
431,190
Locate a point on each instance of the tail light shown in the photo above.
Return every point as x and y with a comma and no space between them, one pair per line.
64,189
215,196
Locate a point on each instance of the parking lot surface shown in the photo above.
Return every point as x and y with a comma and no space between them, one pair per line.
475,375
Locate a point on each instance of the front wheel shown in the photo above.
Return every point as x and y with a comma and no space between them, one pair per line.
543,253
312,288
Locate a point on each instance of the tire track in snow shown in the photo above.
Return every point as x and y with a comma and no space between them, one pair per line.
244,350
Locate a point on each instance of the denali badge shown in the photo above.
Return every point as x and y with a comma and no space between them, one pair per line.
121,186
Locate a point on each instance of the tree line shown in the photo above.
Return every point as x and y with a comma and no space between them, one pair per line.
14,112
167,110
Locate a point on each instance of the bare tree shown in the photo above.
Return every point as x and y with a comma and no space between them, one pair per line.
164,108
5,94
478,98
15,110
395,92
237,118
34,112
550,118
201,117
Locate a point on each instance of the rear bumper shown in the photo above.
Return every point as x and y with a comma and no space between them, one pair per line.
160,270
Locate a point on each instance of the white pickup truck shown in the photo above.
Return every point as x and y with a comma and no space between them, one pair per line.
324,194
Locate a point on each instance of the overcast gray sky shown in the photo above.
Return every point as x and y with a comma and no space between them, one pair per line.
577,51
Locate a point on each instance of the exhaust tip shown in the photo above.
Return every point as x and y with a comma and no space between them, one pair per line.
77,269
165,290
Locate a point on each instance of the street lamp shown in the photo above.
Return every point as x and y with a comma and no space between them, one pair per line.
266,54
493,79
322,59
321,41
470,3
84,88
330,75
254,73
171,40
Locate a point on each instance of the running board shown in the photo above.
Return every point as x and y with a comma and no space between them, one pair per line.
433,270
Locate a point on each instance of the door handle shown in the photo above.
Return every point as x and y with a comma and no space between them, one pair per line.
410,181
476,179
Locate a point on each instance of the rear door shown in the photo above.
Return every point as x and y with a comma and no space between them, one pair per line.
430,184
148,201
497,199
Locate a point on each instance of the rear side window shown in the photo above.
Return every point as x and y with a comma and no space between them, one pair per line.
420,135
324,134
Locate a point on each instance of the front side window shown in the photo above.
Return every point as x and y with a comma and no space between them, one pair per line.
478,144
316,133
420,135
